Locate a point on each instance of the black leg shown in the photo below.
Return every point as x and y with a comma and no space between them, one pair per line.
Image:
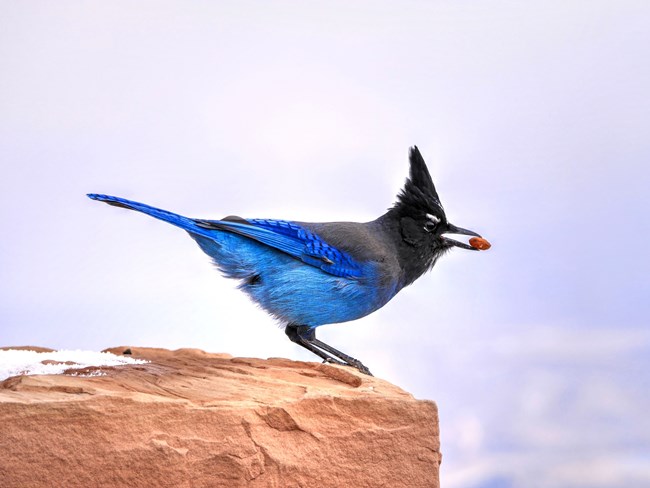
306,337
295,335
349,360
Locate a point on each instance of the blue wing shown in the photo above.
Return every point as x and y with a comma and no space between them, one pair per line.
291,239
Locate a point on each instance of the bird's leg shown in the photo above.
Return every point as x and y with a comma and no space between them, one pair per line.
295,335
349,360
306,337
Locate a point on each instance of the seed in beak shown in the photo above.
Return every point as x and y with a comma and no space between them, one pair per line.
479,243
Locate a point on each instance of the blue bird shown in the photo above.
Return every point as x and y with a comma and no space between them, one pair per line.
311,274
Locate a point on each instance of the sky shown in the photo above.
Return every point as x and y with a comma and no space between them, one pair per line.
532,116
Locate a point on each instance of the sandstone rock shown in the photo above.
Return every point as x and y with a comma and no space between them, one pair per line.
193,419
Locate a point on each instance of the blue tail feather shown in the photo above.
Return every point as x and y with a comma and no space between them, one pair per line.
170,217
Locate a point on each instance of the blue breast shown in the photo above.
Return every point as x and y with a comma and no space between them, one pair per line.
291,289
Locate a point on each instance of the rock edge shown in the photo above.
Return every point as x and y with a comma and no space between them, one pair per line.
194,419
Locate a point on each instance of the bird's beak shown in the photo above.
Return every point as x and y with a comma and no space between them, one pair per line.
452,229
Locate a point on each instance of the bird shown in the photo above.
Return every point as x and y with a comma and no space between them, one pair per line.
308,274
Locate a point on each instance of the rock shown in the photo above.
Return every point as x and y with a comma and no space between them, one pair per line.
193,419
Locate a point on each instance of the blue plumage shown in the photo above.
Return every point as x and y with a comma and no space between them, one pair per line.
311,274
294,240
269,256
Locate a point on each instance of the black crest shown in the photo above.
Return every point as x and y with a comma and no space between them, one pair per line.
419,192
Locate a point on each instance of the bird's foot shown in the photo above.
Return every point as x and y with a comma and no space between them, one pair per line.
354,363
306,337
334,361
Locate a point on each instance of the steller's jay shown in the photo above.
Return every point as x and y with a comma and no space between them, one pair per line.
310,274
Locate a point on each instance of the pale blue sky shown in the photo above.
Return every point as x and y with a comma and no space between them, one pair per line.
534,119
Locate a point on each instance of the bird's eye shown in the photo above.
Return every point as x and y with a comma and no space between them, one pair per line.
431,223
429,226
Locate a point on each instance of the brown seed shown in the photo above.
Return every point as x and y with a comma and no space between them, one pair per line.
479,243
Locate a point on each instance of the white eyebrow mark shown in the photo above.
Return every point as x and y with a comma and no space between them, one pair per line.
433,218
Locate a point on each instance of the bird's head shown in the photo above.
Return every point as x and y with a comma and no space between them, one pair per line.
422,219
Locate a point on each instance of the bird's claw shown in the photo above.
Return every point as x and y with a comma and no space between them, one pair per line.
354,363
334,361
361,367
